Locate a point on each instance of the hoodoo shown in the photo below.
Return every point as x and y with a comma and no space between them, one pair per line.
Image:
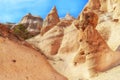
50,21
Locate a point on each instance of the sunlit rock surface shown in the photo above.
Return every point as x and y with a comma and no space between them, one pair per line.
84,48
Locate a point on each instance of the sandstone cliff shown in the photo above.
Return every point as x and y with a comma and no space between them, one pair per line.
50,21
109,20
83,47
32,23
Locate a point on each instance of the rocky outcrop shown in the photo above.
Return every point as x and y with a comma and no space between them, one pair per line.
32,23
108,12
51,40
103,5
87,44
100,5
94,4
28,27
69,17
66,21
95,44
58,42
50,21
116,9
110,21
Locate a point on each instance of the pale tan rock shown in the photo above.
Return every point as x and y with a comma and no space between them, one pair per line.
116,8
85,49
69,17
108,18
103,6
94,45
68,44
94,4
50,21
33,23
109,22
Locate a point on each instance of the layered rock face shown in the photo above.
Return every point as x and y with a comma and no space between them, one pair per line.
109,20
94,4
80,48
21,62
51,20
58,46
94,45
33,23
103,5
50,42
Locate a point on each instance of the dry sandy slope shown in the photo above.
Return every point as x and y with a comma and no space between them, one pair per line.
113,74
18,62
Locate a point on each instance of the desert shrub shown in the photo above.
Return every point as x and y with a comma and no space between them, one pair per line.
21,31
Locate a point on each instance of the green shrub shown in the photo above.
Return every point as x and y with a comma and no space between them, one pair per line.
21,31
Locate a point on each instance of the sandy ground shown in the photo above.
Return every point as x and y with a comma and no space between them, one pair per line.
112,74
82,72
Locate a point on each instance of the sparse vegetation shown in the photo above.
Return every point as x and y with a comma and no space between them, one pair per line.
21,31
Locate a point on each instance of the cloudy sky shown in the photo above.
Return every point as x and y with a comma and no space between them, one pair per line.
14,10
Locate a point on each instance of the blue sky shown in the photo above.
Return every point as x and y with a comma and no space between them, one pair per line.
14,10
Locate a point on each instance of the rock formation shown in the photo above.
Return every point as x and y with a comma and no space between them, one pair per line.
21,62
51,20
85,46
102,5
80,49
57,43
108,12
69,17
94,4
33,23
51,40
92,43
